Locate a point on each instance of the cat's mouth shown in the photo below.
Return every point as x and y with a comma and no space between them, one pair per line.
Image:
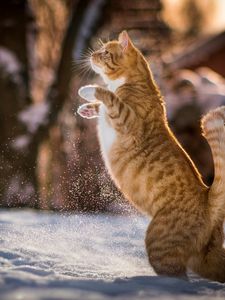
97,69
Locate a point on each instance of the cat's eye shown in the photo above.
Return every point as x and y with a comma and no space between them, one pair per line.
106,52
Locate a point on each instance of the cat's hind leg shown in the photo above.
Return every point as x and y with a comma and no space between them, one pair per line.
166,254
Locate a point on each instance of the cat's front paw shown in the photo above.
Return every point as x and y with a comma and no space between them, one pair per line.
89,110
87,92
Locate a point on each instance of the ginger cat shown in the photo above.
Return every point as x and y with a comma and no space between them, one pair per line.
151,168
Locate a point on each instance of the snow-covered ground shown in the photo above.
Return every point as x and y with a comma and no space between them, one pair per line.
85,257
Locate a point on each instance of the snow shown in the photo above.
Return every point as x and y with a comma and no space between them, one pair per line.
10,66
9,62
21,142
18,189
34,115
60,256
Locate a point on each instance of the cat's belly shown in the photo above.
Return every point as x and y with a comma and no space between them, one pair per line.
107,135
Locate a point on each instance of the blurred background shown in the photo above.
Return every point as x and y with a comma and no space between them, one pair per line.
49,157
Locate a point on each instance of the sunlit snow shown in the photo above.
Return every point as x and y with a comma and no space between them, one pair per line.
56,256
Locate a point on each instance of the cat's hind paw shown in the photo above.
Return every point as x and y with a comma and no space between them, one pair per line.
87,92
88,111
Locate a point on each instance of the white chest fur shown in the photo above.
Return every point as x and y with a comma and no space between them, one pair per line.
107,134
114,84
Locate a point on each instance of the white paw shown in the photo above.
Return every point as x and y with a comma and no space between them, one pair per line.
87,92
87,111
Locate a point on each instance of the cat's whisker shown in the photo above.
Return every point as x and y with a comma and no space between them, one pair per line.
82,65
81,70
88,74
84,70
90,50
107,38
100,42
86,54
83,61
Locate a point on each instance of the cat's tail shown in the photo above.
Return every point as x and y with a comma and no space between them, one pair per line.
214,131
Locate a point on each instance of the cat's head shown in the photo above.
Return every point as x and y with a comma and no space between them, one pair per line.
115,59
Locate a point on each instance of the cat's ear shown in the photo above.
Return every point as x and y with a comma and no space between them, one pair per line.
125,41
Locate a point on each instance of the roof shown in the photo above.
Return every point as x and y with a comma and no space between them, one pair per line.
198,52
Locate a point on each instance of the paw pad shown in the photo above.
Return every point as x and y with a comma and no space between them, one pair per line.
87,111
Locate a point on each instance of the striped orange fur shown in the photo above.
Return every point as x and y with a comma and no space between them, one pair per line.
151,168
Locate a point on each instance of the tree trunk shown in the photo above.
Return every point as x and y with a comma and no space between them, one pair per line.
24,125
17,175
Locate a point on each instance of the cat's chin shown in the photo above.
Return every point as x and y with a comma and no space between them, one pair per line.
96,69
100,72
